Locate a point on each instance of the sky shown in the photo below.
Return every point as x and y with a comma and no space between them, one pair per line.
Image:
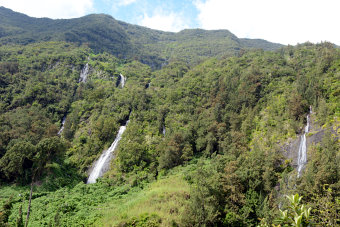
280,21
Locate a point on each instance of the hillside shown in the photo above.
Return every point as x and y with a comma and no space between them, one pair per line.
103,33
217,130
204,128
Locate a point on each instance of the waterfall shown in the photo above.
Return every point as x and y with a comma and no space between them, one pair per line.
302,155
83,74
164,130
103,163
62,125
122,80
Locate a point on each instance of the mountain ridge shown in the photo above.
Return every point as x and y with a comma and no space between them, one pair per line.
102,32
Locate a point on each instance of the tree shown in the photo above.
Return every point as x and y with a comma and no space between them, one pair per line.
206,199
18,160
176,151
326,208
297,106
47,149
296,215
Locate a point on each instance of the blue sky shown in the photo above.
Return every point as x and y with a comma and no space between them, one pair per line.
137,11
281,21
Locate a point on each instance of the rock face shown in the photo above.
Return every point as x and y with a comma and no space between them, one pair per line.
291,149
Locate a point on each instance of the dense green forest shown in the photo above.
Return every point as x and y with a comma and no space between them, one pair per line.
227,121
211,133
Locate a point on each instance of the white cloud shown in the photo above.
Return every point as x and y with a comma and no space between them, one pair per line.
117,4
50,8
283,21
126,2
164,21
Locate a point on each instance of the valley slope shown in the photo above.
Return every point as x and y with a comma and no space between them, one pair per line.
227,111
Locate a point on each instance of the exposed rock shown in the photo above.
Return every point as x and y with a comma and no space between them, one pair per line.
290,150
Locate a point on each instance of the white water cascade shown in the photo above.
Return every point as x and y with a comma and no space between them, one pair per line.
62,125
302,155
122,80
164,130
83,74
103,163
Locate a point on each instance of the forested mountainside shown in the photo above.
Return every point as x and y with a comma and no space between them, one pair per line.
103,33
204,146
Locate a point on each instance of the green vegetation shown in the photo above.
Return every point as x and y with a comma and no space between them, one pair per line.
101,204
164,200
296,215
226,123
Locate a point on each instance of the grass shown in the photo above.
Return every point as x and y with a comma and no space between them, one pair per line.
166,198
101,205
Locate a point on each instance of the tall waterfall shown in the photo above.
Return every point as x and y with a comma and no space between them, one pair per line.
122,80
103,163
83,74
62,126
302,155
